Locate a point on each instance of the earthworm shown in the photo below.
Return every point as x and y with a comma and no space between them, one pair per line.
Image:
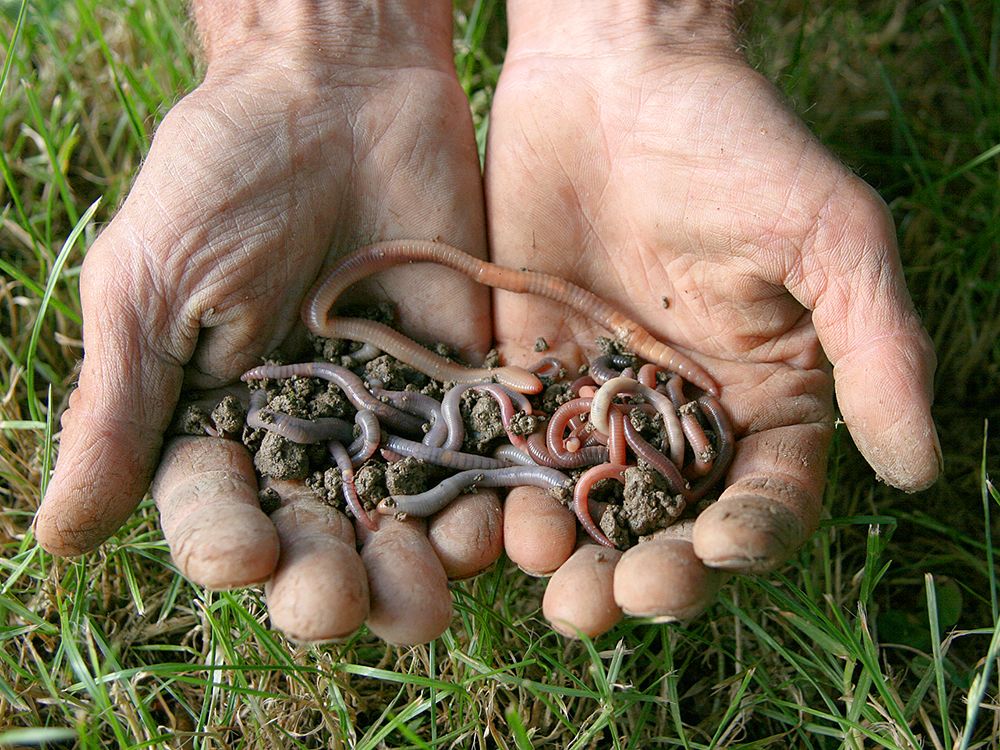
352,386
366,353
546,367
608,366
647,375
704,452
616,439
664,406
720,423
343,461
557,426
581,497
437,434
433,500
661,464
303,431
451,413
581,381
412,402
368,260
438,456
364,447
513,455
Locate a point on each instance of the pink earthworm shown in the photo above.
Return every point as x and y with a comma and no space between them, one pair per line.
352,386
546,367
664,406
661,464
343,461
438,456
719,421
539,452
555,445
704,452
608,366
430,502
616,439
581,497
364,447
373,258
296,429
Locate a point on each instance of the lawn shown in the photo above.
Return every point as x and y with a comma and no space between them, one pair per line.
884,631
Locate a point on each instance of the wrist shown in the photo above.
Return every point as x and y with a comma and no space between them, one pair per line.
597,29
314,35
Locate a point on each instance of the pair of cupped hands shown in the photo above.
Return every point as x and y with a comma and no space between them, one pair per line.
672,182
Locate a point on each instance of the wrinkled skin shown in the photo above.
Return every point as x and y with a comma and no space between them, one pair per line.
255,182
684,178
646,175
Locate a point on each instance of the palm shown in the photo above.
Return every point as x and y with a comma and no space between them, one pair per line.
690,187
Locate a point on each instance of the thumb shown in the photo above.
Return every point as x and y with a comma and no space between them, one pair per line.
883,360
128,387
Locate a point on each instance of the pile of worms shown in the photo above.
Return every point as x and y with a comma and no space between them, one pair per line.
591,436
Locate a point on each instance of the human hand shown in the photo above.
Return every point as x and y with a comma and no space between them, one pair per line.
637,154
319,127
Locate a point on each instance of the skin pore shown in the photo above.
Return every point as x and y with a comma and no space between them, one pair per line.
632,152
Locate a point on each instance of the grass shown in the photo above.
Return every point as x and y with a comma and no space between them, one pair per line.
883,632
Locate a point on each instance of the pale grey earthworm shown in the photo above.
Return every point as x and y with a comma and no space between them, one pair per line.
581,497
368,260
602,405
303,431
412,402
509,454
451,413
350,492
438,456
352,386
430,502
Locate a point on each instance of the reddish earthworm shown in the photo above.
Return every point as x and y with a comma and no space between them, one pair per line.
539,452
438,456
661,464
352,386
303,431
343,461
664,406
647,375
555,445
701,446
430,502
368,260
581,497
608,366
616,439
720,423
364,447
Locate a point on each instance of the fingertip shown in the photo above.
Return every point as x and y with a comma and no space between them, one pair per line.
665,580
747,533
539,532
579,599
467,536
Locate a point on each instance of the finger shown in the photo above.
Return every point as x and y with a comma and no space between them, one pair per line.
467,536
771,503
579,599
410,600
319,590
883,359
664,579
539,532
206,491
113,430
